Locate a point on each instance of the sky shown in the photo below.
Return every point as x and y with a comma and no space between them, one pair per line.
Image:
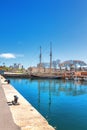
25,25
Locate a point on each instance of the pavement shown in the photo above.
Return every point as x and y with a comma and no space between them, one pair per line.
6,120
23,115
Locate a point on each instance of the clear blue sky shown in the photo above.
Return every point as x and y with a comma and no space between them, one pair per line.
25,25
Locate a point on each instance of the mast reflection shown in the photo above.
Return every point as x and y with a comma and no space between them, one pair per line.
55,87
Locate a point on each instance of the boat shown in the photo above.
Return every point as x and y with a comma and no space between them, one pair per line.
44,76
85,78
77,78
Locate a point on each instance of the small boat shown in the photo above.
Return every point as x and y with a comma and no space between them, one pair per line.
67,78
85,78
76,78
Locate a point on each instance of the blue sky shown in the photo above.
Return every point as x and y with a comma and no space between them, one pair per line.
25,25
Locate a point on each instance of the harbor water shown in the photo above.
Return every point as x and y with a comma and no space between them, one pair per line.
62,103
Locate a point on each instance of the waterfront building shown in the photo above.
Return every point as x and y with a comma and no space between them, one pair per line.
18,66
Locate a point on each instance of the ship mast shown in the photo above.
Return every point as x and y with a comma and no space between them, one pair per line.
40,56
50,56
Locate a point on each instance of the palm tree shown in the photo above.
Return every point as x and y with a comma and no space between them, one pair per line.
3,64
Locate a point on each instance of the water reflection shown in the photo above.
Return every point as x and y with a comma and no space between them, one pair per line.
62,103
55,87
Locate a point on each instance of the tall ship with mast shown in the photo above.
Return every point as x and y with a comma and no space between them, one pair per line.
45,74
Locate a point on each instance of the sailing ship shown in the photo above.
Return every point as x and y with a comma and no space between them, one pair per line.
44,75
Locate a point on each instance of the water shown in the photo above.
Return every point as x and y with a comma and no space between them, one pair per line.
62,103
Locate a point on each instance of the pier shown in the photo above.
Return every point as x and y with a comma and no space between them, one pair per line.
70,75
17,75
23,116
6,120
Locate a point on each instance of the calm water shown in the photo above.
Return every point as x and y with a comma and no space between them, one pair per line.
62,103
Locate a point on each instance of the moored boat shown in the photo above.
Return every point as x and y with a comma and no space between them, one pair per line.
85,78
44,76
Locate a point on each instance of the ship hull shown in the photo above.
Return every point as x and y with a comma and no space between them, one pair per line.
33,76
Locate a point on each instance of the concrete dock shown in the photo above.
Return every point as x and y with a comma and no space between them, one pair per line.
23,116
6,119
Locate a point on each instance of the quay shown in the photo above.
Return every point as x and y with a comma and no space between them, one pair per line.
18,117
71,75
16,75
6,120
